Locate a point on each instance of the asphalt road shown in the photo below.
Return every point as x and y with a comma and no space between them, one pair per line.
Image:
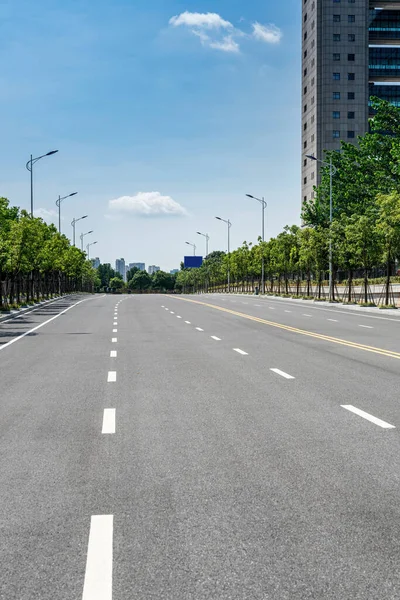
199,447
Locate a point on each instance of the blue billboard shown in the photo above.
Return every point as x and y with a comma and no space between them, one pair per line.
192,262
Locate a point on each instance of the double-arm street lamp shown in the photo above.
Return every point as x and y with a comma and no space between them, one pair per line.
229,224
263,207
332,171
207,239
193,246
29,166
73,223
58,203
88,248
82,237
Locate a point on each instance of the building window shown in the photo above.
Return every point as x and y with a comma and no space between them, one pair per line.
336,18
336,37
351,76
305,90
351,37
313,6
312,137
336,114
336,56
304,126
336,76
335,133
305,162
313,81
312,175
305,17
305,72
305,108
351,135
305,54
305,36
336,1
312,43
312,118
313,25
351,115
351,95
351,57
304,198
313,62
312,100
305,180
305,144
351,18
352,1
336,96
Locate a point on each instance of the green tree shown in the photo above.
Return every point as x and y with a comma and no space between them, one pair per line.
116,283
388,226
141,281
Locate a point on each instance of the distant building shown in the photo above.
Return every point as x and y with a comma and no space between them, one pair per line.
174,271
140,266
153,269
120,267
95,262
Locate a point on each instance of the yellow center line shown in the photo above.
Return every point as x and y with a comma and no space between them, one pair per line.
318,336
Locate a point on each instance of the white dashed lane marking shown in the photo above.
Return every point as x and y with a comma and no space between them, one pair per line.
199,329
282,373
333,320
367,416
113,354
112,376
366,326
188,322
108,421
99,562
214,337
114,340
115,330
239,351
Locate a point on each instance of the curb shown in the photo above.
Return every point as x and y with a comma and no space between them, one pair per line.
15,314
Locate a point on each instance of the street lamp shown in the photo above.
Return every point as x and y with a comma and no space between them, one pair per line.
263,207
207,239
229,224
193,246
332,171
73,226
88,248
58,203
29,166
83,235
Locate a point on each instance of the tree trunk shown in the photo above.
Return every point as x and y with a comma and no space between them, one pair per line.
387,285
365,286
350,285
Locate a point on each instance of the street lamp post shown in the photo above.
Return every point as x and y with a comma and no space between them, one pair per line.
193,246
29,166
88,249
332,171
229,224
58,203
83,235
207,239
263,207
73,222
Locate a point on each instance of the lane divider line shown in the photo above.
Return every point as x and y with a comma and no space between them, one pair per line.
366,326
239,351
108,421
113,354
115,330
112,376
214,337
188,322
333,320
178,317
317,336
199,329
282,373
115,323
114,340
99,561
367,416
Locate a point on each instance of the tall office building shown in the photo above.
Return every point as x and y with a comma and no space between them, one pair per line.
139,265
153,269
95,262
120,267
351,50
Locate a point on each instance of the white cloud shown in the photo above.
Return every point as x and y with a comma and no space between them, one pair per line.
219,34
147,204
270,34
49,216
228,44
202,20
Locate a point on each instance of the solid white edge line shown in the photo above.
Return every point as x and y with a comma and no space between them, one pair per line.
99,561
42,324
239,351
113,354
214,337
367,416
108,421
112,376
282,373
114,340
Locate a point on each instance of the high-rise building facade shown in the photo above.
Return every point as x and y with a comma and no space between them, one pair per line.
120,267
95,262
153,269
138,265
350,51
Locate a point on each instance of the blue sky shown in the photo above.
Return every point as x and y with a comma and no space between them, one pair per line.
173,119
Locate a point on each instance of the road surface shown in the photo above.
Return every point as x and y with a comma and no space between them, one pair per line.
199,447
